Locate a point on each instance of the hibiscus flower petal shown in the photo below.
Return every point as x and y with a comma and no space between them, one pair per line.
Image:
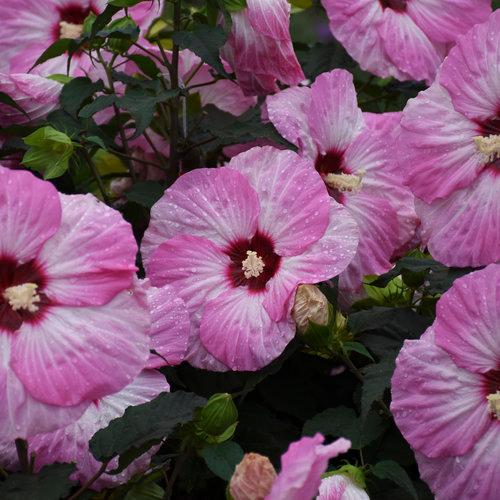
472,476
23,198
442,21
470,72
440,153
334,117
464,229
91,258
302,466
236,329
21,415
294,202
468,320
439,408
83,353
170,327
354,24
287,111
217,204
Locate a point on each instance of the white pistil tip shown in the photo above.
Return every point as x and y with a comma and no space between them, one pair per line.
70,30
494,404
253,265
345,182
489,147
23,297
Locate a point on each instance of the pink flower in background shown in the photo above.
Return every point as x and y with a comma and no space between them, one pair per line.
259,47
170,326
25,37
70,444
446,391
36,95
451,134
406,39
235,242
357,163
340,487
65,279
302,466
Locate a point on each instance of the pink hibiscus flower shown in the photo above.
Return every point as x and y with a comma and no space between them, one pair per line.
25,37
340,487
259,47
36,95
357,163
70,444
65,279
302,466
452,136
406,39
446,391
235,242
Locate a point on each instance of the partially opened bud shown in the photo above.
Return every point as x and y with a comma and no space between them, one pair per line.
310,305
253,478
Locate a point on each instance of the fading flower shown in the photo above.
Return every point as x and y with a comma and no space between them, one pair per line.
259,47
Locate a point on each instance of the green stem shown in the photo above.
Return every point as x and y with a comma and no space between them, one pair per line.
22,454
90,482
175,103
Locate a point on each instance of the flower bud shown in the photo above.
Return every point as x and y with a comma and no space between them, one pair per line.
253,478
120,43
310,305
217,419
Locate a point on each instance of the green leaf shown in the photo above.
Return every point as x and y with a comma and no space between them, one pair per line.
383,330
221,459
392,471
302,4
58,77
8,101
377,378
234,5
125,3
357,347
51,483
145,193
58,48
76,92
145,64
49,152
145,491
145,424
98,104
229,129
343,422
205,41
103,19
141,104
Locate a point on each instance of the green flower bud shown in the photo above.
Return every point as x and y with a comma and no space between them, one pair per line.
217,420
123,32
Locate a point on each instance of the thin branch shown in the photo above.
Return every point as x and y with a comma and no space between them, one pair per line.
91,481
97,177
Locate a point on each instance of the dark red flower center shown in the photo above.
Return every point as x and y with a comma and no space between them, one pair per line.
492,382
490,130
332,162
71,15
397,5
253,262
21,293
